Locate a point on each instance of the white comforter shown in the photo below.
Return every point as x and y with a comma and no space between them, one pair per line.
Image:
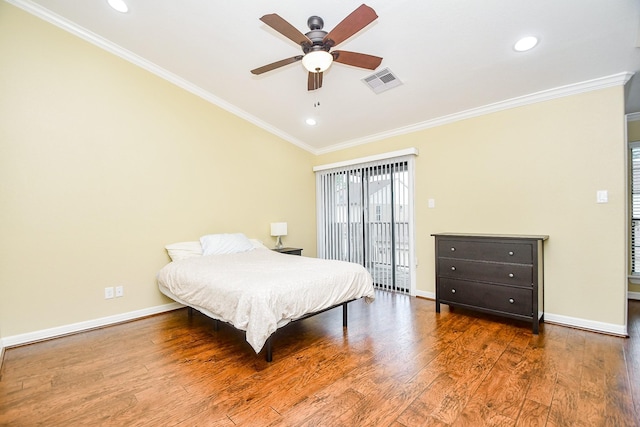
261,290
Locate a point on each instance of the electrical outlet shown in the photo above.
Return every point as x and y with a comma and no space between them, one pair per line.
119,291
108,292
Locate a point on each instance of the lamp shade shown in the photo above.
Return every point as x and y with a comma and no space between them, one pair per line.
317,61
278,228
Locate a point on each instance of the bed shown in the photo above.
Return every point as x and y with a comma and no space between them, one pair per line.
241,282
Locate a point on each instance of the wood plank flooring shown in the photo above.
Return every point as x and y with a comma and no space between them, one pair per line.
397,364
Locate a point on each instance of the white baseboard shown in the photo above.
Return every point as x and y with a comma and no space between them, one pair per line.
427,295
44,334
591,325
572,322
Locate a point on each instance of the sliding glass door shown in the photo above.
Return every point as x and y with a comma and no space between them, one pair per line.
365,216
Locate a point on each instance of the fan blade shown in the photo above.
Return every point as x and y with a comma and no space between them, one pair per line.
277,64
356,59
357,20
314,81
283,27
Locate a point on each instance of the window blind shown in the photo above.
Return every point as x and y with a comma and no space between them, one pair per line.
365,216
635,207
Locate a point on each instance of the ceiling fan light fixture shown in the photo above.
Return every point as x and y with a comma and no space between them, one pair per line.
526,43
317,61
119,5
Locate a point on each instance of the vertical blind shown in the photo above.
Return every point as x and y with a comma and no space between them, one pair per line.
635,208
364,216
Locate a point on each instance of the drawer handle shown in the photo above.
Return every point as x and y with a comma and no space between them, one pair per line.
510,253
511,300
453,268
453,249
510,274
453,291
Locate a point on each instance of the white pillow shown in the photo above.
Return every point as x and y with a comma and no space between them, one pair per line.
217,244
257,244
183,250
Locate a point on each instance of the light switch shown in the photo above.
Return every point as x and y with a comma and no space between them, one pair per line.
432,203
602,196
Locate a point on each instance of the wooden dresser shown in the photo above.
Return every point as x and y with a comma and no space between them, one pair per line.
497,274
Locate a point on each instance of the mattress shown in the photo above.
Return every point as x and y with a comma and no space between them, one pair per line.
261,290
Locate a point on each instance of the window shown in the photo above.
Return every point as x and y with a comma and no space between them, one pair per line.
364,217
635,207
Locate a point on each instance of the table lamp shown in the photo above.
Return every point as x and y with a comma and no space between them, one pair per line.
279,229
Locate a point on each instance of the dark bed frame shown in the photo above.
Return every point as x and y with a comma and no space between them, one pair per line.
267,344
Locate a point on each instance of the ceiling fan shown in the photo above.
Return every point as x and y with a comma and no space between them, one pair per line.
316,44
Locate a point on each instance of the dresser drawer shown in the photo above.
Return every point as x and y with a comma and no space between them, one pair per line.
505,299
506,251
510,274
494,273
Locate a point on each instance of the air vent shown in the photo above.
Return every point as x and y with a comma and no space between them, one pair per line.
382,80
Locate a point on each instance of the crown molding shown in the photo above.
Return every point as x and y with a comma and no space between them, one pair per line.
619,79
590,85
101,42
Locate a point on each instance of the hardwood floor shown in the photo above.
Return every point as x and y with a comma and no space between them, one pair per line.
398,364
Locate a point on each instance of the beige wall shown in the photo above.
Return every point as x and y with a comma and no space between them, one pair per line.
530,170
102,164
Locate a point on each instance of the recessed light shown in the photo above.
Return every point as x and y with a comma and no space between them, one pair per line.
118,5
526,43
311,122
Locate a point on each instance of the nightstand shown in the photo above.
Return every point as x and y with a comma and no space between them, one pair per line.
289,251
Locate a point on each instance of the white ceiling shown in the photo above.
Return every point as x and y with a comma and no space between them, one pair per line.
455,58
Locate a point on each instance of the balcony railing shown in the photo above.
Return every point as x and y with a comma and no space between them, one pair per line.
384,251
